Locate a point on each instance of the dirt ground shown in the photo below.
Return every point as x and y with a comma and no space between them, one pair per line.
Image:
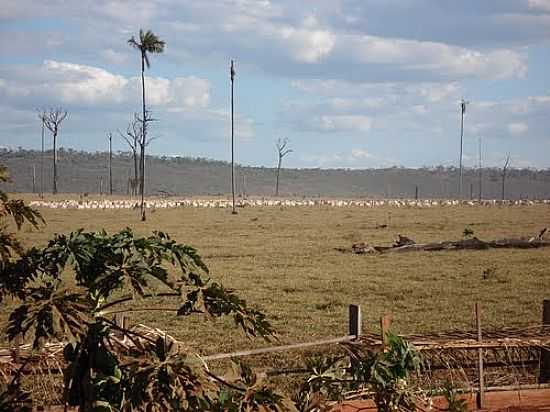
509,401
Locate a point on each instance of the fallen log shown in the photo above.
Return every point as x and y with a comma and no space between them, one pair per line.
464,244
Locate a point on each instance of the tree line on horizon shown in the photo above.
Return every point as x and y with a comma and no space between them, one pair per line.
82,172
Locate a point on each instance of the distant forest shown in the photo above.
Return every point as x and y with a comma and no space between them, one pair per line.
82,172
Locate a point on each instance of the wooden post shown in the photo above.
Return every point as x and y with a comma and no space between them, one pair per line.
385,324
480,399
120,320
355,321
354,329
544,370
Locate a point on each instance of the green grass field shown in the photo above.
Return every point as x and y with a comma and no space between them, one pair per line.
285,262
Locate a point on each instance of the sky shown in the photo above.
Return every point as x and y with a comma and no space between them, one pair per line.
349,83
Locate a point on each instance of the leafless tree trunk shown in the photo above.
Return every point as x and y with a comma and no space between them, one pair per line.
504,170
42,162
52,120
463,104
480,172
33,178
133,137
282,151
232,76
110,137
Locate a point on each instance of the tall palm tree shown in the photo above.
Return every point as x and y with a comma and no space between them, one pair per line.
148,43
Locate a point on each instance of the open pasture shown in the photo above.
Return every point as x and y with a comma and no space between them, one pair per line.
284,261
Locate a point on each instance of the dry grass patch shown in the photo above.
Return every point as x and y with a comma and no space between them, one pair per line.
284,261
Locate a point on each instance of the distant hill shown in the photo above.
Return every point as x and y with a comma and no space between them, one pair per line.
80,172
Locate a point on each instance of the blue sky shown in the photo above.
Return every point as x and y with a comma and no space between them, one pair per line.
350,83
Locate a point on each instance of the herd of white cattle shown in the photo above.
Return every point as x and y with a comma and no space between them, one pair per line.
225,203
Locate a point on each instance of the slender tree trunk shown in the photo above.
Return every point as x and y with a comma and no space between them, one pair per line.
42,164
480,172
278,172
460,161
136,172
232,145
54,189
143,138
503,180
110,165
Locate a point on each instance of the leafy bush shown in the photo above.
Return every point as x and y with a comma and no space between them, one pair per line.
111,271
382,374
12,397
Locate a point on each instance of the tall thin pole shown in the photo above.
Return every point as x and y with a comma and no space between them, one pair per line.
462,110
232,73
33,178
479,171
42,163
143,137
111,164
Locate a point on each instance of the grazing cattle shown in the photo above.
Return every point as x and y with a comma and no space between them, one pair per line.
225,203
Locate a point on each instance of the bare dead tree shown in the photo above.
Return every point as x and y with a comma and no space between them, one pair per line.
282,151
504,170
143,142
52,120
133,136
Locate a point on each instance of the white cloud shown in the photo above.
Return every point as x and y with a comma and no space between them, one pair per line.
432,57
517,129
356,158
114,57
376,94
309,46
77,83
282,38
70,83
361,154
356,123
543,5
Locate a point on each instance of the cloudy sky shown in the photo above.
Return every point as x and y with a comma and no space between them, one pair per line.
351,83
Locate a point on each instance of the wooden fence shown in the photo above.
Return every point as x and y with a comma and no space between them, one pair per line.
478,342
537,337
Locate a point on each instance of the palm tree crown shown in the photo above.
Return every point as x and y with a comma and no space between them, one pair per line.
148,43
